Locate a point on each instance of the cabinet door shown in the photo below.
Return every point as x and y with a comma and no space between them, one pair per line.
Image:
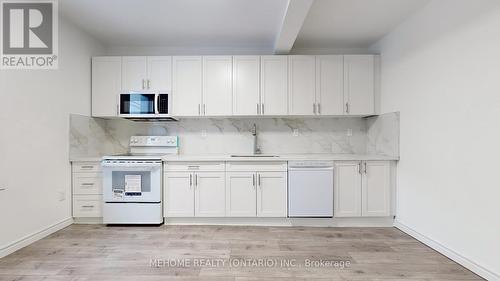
359,84
240,194
179,195
106,85
347,189
274,85
134,74
376,189
302,85
160,74
246,85
187,86
271,194
330,85
217,86
210,194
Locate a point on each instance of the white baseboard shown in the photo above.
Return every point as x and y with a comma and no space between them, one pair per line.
458,258
313,222
28,239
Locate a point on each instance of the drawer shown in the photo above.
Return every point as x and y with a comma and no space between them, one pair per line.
87,183
87,206
195,166
254,166
83,167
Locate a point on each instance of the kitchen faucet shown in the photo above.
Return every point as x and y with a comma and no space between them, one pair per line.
256,148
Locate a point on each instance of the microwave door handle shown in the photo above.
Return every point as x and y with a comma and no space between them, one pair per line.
156,106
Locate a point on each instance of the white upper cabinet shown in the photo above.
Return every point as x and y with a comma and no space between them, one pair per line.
330,85
134,74
106,85
376,190
160,74
187,86
147,74
217,86
274,85
302,85
246,85
359,71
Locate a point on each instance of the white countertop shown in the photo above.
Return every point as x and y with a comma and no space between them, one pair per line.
281,157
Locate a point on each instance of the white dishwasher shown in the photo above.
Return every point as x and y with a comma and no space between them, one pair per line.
310,189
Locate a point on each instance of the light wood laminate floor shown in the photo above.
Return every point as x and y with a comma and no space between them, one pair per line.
96,252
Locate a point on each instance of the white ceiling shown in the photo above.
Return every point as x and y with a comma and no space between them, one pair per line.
198,23
352,23
236,23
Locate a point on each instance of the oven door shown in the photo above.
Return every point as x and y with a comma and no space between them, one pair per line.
138,104
132,181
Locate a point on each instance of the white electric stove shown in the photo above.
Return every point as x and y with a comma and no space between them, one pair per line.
132,182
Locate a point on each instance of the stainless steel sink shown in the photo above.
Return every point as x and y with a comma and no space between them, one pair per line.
254,155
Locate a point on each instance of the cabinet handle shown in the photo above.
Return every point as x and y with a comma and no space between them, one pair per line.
88,184
258,109
149,84
253,180
346,107
117,110
199,109
87,167
204,109
190,179
258,180
262,111
87,206
360,169
143,84
195,179
365,168
319,108
314,108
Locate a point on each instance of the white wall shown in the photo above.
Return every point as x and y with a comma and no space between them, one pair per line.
34,136
441,69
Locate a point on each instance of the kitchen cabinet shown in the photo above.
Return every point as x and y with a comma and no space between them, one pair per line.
146,74
302,85
187,86
256,189
271,194
217,86
86,179
106,85
274,85
329,85
241,200
246,85
362,188
194,189
178,194
210,194
359,88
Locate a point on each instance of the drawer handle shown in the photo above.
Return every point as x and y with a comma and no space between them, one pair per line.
88,184
88,206
87,167
193,167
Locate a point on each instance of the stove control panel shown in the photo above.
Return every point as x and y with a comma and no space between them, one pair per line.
154,141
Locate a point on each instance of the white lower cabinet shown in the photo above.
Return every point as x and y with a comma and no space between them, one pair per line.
178,194
86,189
362,189
256,190
210,194
198,191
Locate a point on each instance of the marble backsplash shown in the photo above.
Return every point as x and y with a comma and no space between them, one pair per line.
375,135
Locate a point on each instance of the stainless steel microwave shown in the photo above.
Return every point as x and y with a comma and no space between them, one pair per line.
146,106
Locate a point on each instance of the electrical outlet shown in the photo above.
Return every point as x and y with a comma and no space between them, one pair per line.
203,133
295,132
349,132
